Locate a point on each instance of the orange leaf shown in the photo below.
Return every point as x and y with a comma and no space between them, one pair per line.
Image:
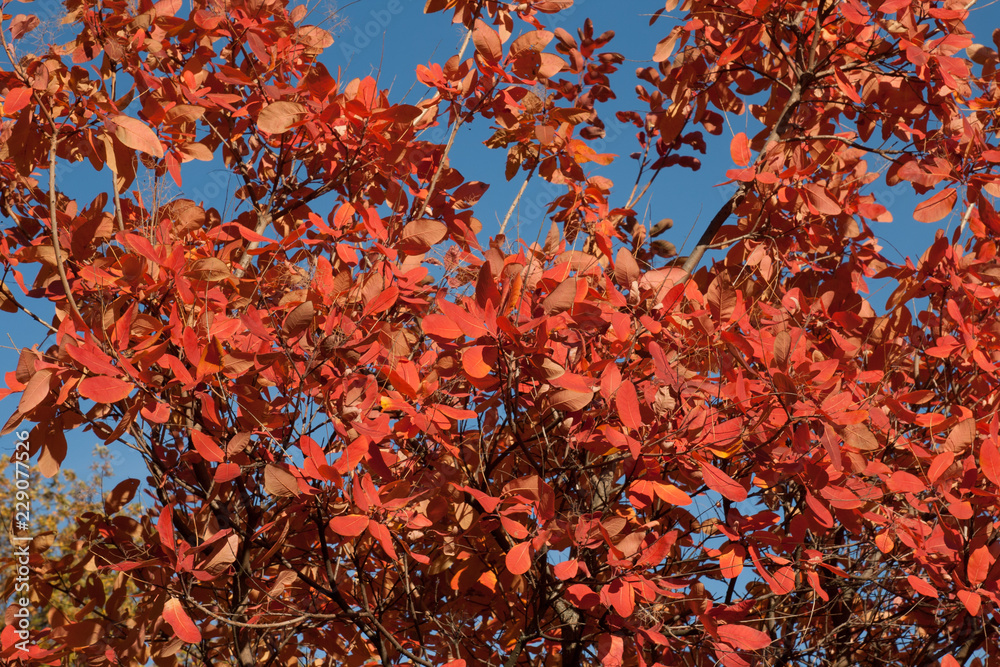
120,496
937,206
184,627
137,135
349,525
518,559
205,446
731,558
739,148
104,389
989,461
478,360
669,493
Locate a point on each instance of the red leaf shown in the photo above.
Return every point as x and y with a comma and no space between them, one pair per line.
922,587
739,148
349,525
137,135
280,117
104,389
226,472
937,206
381,533
16,99
566,569
941,464
722,483
628,405
845,85
902,482
743,637
620,596
518,559
184,627
980,562
973,603
582,596
385,300
441,326
205,446
610,650
165,528
989,461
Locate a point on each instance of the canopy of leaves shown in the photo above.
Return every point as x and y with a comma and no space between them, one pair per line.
375,436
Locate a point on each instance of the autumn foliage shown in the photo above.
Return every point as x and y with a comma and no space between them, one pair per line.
377,434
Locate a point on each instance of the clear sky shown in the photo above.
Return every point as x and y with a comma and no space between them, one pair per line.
388,38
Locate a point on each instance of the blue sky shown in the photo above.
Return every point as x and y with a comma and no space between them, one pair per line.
388,38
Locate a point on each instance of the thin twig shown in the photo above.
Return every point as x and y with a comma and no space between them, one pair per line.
6,291
844,140
513,204
55,226
240,624
459,120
